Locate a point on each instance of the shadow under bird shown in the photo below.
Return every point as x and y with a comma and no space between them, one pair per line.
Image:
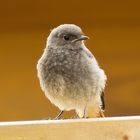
69,74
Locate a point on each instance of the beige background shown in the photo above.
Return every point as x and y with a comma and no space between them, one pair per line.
114,31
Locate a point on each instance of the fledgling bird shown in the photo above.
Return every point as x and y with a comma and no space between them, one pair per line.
69,74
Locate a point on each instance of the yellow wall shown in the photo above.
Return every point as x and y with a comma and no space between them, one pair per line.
114,31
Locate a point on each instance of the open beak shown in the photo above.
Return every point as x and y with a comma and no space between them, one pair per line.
83,37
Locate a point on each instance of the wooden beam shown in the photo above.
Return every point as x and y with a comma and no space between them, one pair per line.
111,128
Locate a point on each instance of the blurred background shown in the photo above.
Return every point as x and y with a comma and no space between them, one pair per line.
114,31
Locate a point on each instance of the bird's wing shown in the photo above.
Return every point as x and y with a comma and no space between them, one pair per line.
90,55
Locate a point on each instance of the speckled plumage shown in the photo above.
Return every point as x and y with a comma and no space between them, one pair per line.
69,74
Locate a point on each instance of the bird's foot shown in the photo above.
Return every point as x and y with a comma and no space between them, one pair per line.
75,117
58,116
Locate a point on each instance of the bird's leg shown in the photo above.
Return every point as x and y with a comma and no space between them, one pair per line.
102,114
84,116
58,116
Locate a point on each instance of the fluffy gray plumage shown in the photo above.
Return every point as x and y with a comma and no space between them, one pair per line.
69,74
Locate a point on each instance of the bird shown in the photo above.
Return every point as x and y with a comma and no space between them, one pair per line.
70,75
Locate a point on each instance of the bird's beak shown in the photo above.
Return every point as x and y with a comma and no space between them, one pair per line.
83,37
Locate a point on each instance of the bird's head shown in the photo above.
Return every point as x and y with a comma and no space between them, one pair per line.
66,34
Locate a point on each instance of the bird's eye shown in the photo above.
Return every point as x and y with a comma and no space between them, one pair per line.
66,37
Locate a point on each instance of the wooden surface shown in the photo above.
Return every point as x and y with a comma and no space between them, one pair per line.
117,128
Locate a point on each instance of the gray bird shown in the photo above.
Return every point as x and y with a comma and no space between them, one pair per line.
69,74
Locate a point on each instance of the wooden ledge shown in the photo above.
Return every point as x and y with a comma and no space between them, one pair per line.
110,128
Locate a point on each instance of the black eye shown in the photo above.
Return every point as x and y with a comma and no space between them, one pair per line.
66,37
